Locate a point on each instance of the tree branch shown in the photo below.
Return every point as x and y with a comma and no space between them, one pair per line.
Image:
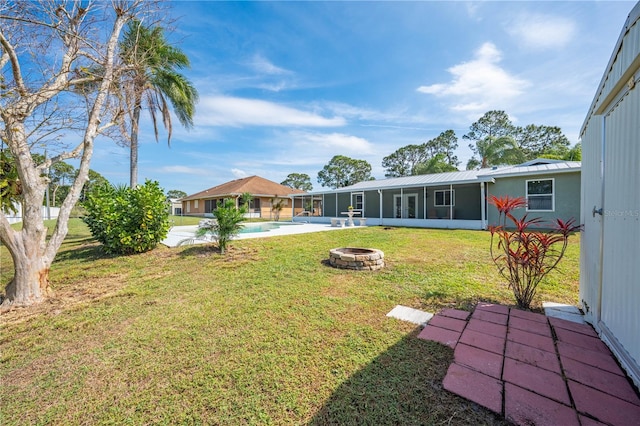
15,63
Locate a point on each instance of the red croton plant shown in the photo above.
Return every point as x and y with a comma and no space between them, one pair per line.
524,257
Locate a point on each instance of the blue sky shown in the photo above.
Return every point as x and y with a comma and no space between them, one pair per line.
285,86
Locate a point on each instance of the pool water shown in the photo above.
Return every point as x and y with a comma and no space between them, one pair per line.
251,228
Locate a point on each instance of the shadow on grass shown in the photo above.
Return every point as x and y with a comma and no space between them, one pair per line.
199,250
403,386
84,253
437,298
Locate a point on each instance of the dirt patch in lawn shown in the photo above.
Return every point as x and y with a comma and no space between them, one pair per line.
79,286
67,297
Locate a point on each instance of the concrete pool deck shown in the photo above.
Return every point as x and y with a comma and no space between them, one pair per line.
180,233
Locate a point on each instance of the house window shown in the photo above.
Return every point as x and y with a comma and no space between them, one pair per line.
209,206
254,203
195,204
188,206
357,201
540,195
444,198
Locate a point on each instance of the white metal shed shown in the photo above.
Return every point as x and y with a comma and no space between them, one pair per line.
610,194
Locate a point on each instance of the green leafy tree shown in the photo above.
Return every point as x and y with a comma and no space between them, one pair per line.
154,78
176,193
574,154
436,164
411,159
128,220
343,171
489,128
227,225
403,161
94,181
10,188
541,141
61,174
300,181
444,146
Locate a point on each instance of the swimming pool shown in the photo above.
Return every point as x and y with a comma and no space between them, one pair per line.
250,228
178,234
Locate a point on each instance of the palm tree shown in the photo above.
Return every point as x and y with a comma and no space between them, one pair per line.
436,164
496,151
154,79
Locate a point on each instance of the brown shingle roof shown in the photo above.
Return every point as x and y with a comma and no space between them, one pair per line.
255,185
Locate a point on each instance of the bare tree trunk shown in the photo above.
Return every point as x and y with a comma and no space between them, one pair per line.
133,165
53,196
27,247
31,272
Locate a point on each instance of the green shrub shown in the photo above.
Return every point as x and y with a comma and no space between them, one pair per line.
227,224
126,220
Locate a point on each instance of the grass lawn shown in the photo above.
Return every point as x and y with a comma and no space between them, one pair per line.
267,334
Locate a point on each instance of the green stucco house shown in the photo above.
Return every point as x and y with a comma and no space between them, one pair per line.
456,200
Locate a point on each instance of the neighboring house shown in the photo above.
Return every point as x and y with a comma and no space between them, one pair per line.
454,199
175,206
610,247
266,195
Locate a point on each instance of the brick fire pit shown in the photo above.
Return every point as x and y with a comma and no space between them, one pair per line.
359,259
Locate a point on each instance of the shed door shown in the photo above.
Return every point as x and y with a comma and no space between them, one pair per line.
591,200
620,285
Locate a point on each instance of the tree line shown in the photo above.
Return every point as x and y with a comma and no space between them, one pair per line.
493,139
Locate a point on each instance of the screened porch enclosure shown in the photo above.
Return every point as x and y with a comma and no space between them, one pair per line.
441,206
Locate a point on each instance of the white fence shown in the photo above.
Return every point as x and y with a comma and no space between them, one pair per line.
47,213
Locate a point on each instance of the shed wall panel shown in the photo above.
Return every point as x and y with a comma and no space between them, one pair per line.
620,276
611,161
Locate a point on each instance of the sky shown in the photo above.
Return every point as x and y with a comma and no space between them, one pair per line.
285,86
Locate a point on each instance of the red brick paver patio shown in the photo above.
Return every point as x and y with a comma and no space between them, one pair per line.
533,369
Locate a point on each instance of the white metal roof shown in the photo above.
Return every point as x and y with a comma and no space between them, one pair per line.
525,169
436,179
459,177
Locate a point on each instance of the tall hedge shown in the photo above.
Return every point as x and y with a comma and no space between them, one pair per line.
126,220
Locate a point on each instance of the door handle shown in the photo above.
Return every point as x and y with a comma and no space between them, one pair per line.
594,211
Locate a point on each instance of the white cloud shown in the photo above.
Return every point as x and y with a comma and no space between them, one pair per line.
274,87
353,112
479,84
262,65
237,112
268,76
183,170
472,10
333,142
239,173
542,31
